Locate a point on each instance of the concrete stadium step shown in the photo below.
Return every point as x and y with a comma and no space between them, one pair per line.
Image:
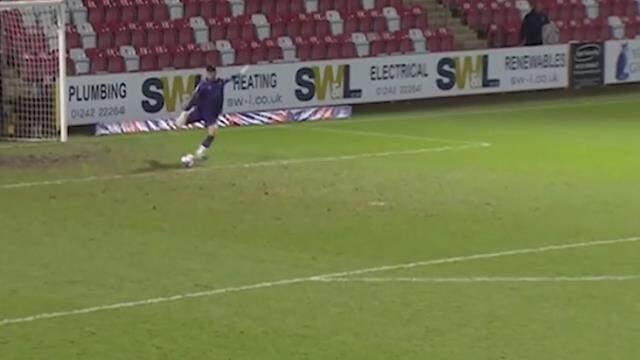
438,15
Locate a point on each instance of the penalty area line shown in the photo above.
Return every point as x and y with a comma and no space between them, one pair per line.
484,279
316,278
268,163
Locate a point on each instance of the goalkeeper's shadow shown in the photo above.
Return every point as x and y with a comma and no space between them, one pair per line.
157,166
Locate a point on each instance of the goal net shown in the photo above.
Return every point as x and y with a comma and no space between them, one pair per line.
32,70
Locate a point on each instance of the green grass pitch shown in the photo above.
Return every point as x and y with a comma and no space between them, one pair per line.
495,232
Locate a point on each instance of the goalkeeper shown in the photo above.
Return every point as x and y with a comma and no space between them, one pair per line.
205,105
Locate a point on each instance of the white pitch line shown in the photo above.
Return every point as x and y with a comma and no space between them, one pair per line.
485,279
484,256
391,135
411,115
243,165
316,278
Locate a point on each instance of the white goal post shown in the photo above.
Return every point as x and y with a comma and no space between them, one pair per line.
33,101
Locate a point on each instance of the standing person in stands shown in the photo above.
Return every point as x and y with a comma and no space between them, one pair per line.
532,26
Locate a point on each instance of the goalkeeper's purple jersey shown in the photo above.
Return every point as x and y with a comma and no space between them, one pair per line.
208,99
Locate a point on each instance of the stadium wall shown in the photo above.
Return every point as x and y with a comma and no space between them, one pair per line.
104,99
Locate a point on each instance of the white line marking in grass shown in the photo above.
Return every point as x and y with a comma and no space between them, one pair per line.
485,279
244,165
391,135
377,203
484,256
316,278
494,109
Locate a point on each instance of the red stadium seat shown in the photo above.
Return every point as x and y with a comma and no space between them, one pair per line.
348,49
342,7
138,35
185,32
321,24
196,57
169,33
446,39
73,38
303,48
379,21
352,5
223,8
98,60
325,5
333,47
258,52
148,59
243,53
512,34
605,8
95,14
351,24
365,21
618,7
292,7
632,8
116,64
71,67
165,58
274,51
552,9
376,44
294,26
565,31
433,40
318,48
208,9
391,43
604,30
112,13
631,27
577,30
406,44
268,7
248,31
252,7
307,27
495,36
234,29
278,26
160,10
578,9
472,15
104,35
144,10
128,13
122,35
217,29
154,34
212,57
191,8
180,56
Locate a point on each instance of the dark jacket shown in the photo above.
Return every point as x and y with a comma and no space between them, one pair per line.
531,31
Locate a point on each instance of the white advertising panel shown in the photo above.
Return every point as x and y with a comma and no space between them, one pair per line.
142,96
622,61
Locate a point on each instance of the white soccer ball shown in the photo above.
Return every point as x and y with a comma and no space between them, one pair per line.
187,160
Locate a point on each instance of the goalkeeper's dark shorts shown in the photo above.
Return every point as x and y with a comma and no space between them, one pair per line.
196,116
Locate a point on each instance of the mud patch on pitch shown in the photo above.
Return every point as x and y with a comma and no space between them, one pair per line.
42,160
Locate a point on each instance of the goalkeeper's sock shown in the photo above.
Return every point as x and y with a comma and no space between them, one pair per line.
206,144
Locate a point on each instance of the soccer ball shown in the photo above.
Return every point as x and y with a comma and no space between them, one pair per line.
187,160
